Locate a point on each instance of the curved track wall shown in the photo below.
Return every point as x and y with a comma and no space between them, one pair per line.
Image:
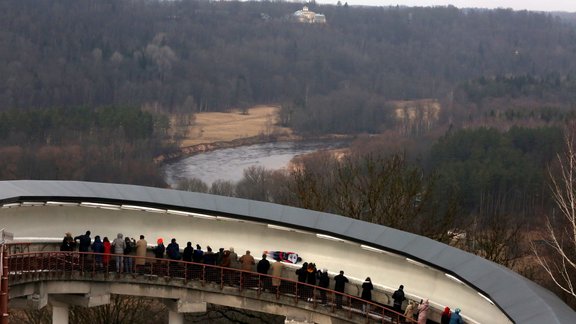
486,292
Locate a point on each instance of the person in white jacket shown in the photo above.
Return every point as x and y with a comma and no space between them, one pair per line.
118,246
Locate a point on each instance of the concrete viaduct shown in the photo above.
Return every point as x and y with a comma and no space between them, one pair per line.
42,211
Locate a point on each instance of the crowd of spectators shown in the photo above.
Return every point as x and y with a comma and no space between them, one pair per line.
307,273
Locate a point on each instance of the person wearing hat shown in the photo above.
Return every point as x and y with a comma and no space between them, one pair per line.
456,318
159,249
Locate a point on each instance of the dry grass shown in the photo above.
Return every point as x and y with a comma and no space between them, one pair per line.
213,127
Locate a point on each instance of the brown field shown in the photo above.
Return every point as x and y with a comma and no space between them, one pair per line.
211,127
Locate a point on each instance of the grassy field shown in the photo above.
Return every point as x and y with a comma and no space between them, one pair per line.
211,127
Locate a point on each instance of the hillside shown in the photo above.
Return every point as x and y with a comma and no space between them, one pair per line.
198,56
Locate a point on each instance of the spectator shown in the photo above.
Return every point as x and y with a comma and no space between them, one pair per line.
410,311
226,259
84,242
68,243
173,253
302,274
234,259
367,292
141,247
210,259
423,312
173,250
159,249
323,282
445,317
339,286
107,251
198,254
209,256
456,318
276,273
118,244
227,263
311,274
219,256
187,253
128,248
98,247
247,261
263,265
398,297
262,268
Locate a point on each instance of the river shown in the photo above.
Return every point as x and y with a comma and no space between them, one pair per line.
229,164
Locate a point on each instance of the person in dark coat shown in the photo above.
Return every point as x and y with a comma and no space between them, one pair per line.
323,282
83,242
367,292
198,254
311,280
219,256
173,253
398,297
302,274
159,254
68,243
367,288
159,249
128,248
263,265
187,253
98,247
262,268
209,256
339,286
173,250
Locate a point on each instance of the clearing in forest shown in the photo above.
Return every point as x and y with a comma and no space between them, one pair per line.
211,127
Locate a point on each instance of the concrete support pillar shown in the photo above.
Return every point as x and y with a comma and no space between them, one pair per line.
59,313
175,318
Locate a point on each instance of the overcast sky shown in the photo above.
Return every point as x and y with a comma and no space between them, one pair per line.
537,5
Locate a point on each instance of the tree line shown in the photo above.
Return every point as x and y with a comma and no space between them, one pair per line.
108,144
196,56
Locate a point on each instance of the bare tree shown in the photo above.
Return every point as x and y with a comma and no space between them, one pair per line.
192,184
223,188
558,255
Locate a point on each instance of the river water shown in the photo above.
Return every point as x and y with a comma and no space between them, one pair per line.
229,164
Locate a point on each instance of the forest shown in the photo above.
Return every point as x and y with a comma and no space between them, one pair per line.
89,87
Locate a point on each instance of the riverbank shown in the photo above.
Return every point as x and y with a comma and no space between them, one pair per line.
216,130
212,146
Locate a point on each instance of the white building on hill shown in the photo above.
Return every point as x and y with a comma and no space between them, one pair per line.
310,17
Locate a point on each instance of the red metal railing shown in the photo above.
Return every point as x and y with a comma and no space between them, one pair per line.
25,267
